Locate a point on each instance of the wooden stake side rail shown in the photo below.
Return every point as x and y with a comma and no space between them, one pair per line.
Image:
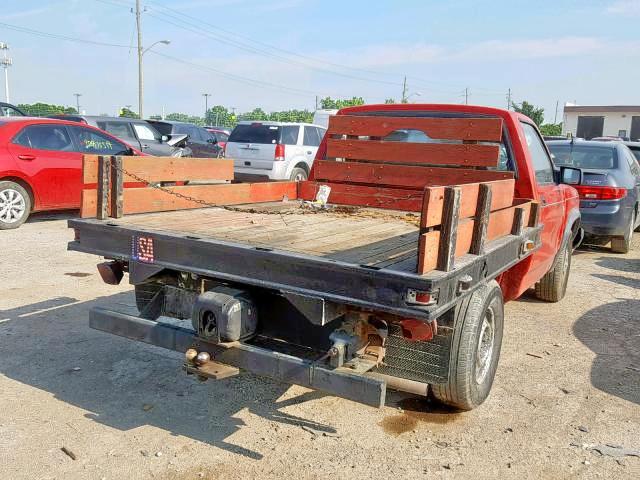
478,129
106,193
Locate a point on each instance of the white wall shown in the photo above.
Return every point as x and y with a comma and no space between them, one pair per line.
613,122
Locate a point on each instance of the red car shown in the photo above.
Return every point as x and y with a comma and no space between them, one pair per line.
41,164
221,135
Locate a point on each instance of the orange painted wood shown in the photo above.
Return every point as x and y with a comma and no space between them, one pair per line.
500,224
481,129
471,155
144,200
365,196
401,175
164,169
502,197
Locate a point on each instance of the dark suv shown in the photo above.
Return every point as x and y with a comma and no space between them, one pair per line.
610,187
137,133
202,143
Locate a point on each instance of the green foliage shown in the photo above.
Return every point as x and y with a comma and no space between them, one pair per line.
330,103
534,113
45,109
125,112
220,116
183,117
549,129
389,101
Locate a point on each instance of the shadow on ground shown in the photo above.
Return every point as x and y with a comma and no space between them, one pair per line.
49,216
621,264
612,332
49,345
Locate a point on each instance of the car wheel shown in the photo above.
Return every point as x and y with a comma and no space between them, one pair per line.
623,244
15,205
475,349
553,286
298,175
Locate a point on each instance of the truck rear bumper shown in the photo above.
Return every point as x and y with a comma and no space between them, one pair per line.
370,390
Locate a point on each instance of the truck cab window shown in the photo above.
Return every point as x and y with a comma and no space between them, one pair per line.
539,156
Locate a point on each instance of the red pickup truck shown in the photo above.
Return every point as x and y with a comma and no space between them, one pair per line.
389,267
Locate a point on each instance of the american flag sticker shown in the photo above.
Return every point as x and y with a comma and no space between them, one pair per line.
142,249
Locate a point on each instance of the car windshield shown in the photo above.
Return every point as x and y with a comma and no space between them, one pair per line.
163,128
583,156
255,133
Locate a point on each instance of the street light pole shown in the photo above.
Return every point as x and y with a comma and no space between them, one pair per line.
6,62
140,80
77,95
206,105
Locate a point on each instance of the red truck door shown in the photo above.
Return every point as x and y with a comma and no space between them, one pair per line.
552,203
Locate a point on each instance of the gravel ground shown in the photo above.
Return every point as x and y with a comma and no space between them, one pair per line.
568,380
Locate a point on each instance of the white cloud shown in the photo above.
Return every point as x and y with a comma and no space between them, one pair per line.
25,13
625,7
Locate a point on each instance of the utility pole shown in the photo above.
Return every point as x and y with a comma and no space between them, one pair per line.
466,96
509,99
206,105
6,62
316,102
140,80
555,117
404,90
77,95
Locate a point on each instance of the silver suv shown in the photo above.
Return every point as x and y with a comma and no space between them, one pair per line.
273,150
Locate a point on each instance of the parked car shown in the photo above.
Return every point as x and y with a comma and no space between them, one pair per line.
610,187
202,143
273,150
41,164
8,110
221,134
635,149
137,133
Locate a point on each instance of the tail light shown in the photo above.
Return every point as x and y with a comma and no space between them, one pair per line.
588,192
279,155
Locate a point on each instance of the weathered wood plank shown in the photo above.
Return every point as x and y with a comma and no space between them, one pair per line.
482,129
482,215
142,200
401,175
102,194
500,224
470,155
501,197
117,186
449,229
164,169
364,196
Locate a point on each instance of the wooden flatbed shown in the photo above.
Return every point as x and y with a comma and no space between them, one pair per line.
387,239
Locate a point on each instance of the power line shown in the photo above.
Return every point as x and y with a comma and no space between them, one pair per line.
59,37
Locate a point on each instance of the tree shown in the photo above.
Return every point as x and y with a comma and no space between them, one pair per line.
125,112
551,129
330,103
45,109
534,113
389,101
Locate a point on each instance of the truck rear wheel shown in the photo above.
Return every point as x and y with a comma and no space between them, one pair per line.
475,349
553,286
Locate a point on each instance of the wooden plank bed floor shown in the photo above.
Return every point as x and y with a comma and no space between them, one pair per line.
382,239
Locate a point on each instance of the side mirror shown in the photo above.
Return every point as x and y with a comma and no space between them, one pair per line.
164,138
570,176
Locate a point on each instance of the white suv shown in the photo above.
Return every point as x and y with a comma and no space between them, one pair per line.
273,150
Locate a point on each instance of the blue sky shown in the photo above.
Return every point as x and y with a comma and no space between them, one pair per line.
281,53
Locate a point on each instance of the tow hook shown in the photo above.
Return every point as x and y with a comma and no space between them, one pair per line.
201,364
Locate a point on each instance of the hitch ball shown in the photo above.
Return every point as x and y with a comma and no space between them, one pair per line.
202,358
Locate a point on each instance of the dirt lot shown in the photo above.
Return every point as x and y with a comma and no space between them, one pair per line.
569,379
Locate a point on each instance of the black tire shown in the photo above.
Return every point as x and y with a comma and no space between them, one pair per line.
17,201
298,174
623,244
145,293
553,286
470,381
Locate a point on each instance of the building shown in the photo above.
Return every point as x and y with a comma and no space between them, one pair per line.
589,121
